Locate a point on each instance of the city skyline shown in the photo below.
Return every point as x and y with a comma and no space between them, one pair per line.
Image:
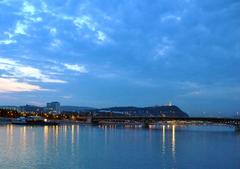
127,53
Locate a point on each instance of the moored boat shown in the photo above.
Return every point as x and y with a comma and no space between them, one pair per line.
33,120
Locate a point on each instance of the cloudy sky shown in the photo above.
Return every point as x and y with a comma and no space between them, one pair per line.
128,52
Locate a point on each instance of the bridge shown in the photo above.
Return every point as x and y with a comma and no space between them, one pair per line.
147,120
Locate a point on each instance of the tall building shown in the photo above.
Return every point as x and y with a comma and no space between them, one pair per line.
53,107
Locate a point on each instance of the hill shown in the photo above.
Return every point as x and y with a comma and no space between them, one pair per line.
165,111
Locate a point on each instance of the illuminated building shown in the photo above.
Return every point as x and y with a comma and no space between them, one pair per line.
53,107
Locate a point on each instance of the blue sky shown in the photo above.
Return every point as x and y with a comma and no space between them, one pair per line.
129,52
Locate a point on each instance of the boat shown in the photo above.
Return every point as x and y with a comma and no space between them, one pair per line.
33,120
20,120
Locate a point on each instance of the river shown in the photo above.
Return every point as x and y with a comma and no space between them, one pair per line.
88,147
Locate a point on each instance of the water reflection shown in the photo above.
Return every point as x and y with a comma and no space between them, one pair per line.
9,130
45,131
105,134
173,141
163,139
56,135
72,134
21,138
31,146
24,137
65,133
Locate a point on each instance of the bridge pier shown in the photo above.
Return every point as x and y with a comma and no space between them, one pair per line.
147,124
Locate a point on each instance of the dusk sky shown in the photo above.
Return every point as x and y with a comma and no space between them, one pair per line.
121,52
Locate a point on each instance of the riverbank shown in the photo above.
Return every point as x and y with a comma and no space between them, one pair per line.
4,120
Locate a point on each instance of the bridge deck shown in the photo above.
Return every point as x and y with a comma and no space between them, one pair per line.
230,121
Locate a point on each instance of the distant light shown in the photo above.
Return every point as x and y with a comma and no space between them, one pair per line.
45,120
170,103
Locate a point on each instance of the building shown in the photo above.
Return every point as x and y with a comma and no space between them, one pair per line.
31,108
10,108
53,107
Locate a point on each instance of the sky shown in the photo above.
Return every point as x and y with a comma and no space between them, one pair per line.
121,53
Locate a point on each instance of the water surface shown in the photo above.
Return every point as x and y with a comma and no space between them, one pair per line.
87,147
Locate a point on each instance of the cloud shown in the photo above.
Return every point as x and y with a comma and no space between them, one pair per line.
12,85
28,18
163,48
7,61
191,94
22,25
53,31
80,22
7,42
28,8
87,22
13,69
101,36
20,28
189,85
67,97
171,17
211,90
162,51
83,24
77,68
56,43
35,20
5,2
35,73
44,7
10,35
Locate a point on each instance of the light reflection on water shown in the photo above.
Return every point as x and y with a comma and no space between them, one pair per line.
173,142
86,147
163,139
72,134
45,136
56,135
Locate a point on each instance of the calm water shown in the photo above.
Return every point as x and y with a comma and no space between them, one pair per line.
86,147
